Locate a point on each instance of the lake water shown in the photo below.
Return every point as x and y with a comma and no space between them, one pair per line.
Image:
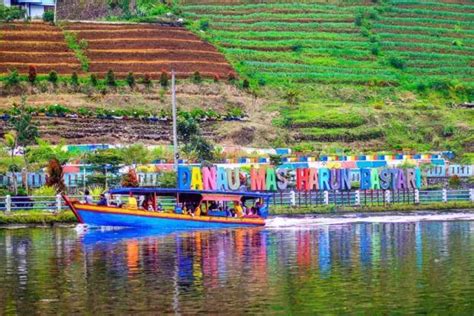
294,266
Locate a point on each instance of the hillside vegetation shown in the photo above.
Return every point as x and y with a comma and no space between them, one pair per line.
357,74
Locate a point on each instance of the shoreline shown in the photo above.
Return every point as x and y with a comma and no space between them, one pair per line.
27,219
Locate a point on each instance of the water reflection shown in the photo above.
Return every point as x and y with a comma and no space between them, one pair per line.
407,267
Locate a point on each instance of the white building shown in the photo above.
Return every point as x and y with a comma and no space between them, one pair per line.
33,8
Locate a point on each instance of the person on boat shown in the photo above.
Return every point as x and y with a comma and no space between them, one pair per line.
239,211
142,203
132,202
159,207
150,206
102,200
88,197
197,210
108,198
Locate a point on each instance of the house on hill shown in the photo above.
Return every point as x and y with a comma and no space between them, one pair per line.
33,8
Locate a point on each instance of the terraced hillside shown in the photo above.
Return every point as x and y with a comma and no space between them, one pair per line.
148,48
384,74
96,48
40,44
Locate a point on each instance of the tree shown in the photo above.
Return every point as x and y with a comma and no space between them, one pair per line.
130,179
105,164
13,78
26,132
186,128
55,176
32,74
201,147
53,77
110,78
135,154
164,78
130,79
9,14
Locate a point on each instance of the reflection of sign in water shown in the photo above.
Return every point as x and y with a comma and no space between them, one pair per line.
307,179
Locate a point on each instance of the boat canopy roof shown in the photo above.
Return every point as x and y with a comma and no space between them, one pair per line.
174,192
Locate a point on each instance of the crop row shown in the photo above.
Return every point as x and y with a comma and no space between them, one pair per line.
340,134
433,4
423,38
274,35
264,6
439,13
263,16
294,44
284,26
421,29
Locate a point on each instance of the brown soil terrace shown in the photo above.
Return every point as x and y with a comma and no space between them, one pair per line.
137,48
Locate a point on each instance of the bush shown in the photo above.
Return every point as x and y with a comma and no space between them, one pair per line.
48,16
53,77
203,24
164,79
147,80
74,79
245,84
197,77
110,78
454,182
32,74
375,50
130,79
448,131
397,62
216,78
13,78
9,14
93,79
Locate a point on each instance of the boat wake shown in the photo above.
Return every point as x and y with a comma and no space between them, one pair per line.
285,222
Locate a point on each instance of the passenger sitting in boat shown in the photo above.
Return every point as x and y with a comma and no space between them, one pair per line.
159,207
132,202
87,197
149,206
102,201
239,212
197,210
141,202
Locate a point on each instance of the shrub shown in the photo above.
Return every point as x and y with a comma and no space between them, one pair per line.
203,24
196,77
93,79
74,79
48,16
130,79
110,78
454,182
164,79
13,78
32,74
9,14
375,50
448,131
216,78
147,80
245,84
53,77
397,62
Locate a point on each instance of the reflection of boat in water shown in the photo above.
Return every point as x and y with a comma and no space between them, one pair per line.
93,236
189,209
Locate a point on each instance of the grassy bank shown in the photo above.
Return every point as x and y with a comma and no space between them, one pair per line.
332,209
36,217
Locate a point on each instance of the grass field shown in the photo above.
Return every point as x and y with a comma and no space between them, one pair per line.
362,74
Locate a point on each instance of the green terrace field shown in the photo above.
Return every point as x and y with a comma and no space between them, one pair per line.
387,74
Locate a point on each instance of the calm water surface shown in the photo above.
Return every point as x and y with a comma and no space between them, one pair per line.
419,267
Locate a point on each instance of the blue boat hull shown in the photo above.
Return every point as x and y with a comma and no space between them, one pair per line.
94,218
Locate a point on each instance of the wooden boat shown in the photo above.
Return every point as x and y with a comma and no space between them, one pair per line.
151,215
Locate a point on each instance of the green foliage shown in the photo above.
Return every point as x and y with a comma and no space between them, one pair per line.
197,77
78,47
397,62
130,79
26,130
200,147
74,79
46,191
168,179
186,128
110,78
13,78
454,182
93,80
53,77
164,79
48,16
8,14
